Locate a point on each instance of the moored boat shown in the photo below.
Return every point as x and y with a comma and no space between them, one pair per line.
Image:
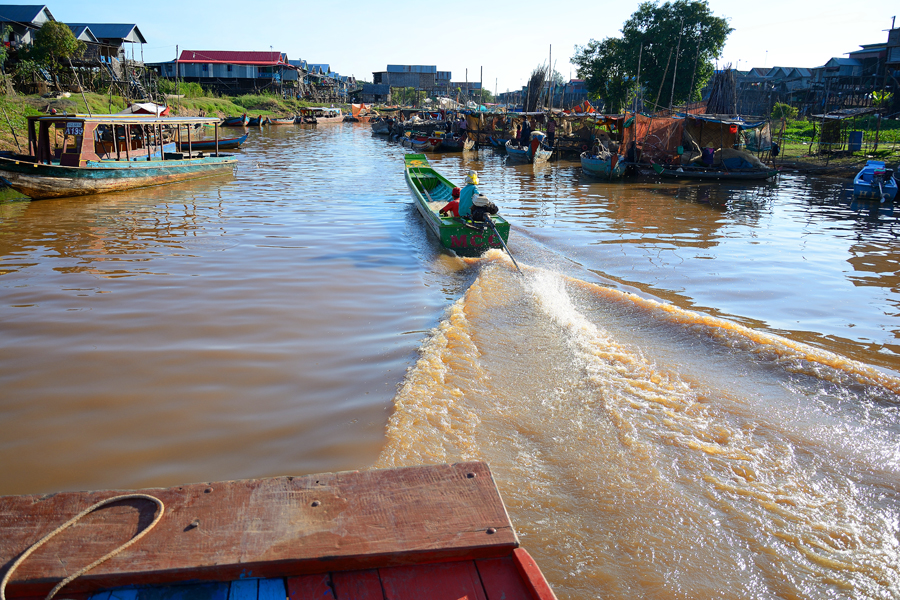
414,532
535,152
456,144
422,143
258,121
431,191
321,114
240,121
610,168
381,126
282,120
105,153
204,144
688,172
874,181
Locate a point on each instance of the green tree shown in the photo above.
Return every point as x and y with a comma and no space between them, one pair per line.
653,32
783,111
54,45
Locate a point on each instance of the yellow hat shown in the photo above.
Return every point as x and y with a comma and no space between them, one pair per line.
472,178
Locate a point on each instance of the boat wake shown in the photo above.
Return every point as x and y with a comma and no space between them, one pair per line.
636,443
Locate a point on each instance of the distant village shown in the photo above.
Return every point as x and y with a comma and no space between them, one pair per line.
114,60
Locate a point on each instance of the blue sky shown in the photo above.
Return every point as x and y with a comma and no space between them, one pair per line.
507,40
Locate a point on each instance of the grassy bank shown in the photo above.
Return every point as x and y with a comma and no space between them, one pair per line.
800,147
17,108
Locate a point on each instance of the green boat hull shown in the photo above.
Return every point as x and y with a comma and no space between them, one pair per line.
431,191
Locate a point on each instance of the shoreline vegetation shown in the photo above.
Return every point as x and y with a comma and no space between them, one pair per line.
798,135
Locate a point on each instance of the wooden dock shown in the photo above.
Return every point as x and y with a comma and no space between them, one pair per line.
437,532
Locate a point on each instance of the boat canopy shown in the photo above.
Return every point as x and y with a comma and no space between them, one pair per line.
132,119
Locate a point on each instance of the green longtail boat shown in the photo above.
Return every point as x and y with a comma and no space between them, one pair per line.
431,192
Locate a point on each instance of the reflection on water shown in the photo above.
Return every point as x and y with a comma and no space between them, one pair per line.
692,392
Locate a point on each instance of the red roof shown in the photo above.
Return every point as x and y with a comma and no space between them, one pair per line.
231,57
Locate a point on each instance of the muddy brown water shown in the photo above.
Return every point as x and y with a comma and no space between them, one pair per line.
692,392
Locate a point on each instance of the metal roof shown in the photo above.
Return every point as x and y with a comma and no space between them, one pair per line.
22,13
240,57
126,32
83,33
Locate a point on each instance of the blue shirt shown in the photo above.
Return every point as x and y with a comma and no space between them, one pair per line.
466,197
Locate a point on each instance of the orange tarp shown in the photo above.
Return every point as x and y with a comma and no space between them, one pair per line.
655,136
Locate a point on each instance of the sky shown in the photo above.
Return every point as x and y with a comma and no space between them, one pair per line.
498,43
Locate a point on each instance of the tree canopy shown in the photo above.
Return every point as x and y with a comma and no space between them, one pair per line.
652,35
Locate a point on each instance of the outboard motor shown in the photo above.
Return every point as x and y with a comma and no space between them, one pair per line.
481,206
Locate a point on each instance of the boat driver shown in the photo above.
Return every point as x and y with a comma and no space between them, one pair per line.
468,193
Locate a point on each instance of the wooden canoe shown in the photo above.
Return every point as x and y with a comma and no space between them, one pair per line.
452,144
525,154
235,121
715,174
282,121
431,191
436,531
205,144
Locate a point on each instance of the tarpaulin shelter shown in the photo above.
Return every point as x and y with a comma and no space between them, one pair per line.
655,137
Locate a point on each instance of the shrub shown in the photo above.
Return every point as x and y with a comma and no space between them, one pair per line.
783,111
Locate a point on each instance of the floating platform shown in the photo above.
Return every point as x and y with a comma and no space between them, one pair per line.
436,532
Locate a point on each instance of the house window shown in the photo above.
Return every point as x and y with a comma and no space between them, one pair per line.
205,68
229,68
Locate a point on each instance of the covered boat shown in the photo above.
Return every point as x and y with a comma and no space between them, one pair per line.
431,191
875,181
76,155
437,531
690,172
535,152
611,167
320,114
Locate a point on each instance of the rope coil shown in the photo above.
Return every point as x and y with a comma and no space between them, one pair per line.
71,522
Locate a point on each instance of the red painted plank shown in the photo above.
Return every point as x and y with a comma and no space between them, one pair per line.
358,585
501,579
532,575
310,587
275,527
443,581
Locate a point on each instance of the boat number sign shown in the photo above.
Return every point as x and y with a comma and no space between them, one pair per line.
464,241
74,128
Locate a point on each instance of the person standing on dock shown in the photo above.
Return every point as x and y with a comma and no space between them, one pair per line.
551,131
468,193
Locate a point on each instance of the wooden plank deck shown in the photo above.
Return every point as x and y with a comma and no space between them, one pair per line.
302,533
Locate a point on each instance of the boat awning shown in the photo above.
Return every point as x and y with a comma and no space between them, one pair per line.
146,108
741,123
127,119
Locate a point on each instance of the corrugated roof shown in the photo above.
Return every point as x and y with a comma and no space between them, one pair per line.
234,57
22,13
127,32
83,33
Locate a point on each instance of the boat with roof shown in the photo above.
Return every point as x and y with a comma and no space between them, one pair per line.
77,155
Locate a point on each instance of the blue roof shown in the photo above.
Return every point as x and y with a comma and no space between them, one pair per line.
21,13
82,32
127,32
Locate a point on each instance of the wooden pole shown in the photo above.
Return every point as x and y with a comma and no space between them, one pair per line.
675,70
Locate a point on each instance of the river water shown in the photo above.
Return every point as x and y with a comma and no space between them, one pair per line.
691,392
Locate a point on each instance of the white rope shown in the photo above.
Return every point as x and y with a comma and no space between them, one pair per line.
72,521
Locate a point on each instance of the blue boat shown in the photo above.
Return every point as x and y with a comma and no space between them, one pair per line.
258,121
240,121
874,181
106,153
224,144
536,152
603,168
